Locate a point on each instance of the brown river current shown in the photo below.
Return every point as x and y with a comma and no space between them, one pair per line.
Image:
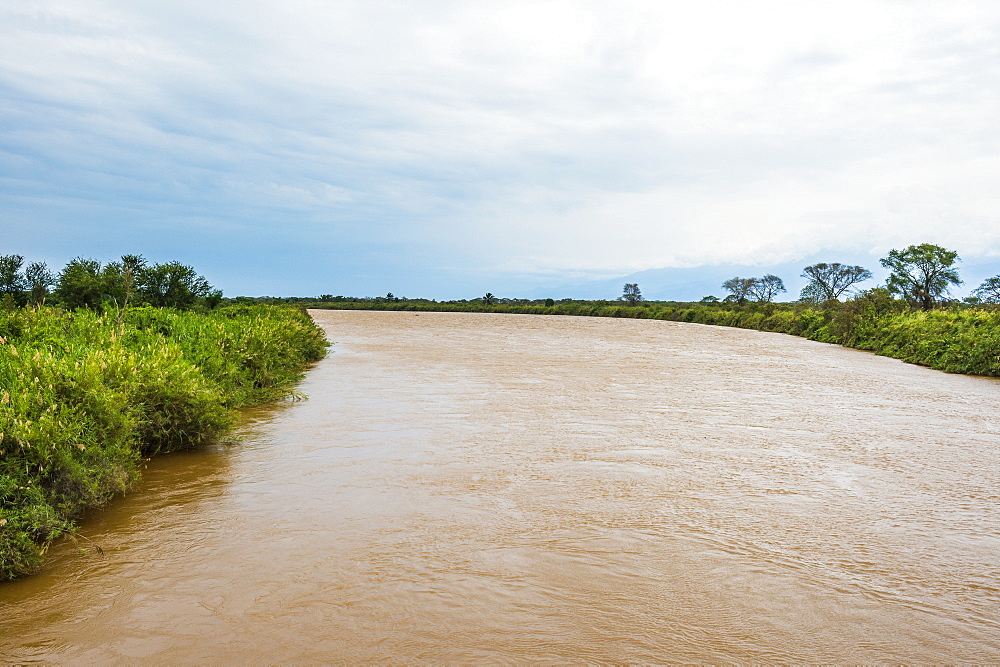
503,488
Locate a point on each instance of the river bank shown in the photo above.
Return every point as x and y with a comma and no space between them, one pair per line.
85,397
960,340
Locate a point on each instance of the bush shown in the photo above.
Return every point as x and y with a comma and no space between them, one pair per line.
84,397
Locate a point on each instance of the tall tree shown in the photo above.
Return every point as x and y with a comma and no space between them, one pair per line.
766,288
828,281
989,291
39,281
120,281
631,294
79,283
173,285
921,274
11,279
739,289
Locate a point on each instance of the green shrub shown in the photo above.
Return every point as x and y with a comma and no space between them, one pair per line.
84,397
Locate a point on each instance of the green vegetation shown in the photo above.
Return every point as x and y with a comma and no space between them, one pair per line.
86,394
921,274
86,283
829,281
988,292
761,289
631,294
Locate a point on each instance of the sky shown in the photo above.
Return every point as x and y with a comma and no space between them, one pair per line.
443,148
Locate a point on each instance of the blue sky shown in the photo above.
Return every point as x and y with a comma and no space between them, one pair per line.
446,148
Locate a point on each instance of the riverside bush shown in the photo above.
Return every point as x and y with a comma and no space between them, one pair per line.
83,397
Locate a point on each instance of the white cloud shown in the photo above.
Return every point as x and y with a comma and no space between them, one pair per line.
527,137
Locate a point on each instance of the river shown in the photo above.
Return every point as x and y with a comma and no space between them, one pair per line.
493,488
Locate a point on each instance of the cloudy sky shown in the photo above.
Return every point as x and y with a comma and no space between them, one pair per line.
443,148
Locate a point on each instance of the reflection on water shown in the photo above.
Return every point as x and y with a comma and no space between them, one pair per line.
465,487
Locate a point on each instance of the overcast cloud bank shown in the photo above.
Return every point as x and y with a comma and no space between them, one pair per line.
444,148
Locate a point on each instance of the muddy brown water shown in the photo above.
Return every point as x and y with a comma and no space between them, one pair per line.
478,487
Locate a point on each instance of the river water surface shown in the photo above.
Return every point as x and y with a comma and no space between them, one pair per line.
478,487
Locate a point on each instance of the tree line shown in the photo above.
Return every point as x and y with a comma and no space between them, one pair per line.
86,283
921,275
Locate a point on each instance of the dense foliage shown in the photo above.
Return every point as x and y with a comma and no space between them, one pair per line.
829,281
86,283
84,396
921,274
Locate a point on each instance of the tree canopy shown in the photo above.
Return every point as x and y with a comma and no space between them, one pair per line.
172,285
85,283
766,288
11,280
38,280
989,291
739,289
79,283
760,289
830,281
631,294
921,274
